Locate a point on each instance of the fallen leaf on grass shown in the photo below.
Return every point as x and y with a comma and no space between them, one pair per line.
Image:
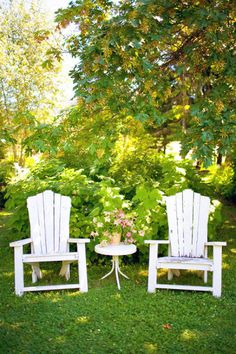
167,326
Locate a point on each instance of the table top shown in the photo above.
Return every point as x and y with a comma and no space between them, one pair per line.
116,250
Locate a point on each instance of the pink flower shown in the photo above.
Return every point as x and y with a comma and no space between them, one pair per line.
129,234
121,214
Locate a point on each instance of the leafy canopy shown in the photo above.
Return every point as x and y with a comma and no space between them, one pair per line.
169,62
28,84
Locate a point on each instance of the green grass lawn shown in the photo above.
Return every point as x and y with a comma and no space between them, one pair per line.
106,320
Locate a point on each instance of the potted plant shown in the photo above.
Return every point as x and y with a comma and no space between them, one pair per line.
116,226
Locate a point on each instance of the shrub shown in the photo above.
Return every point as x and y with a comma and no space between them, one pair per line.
6,171
91,198
222,180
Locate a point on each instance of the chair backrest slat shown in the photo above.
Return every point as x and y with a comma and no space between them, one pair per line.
180,224
187,214
49,215
35,229
64,226
39,203
49,220
196,213
173,226
203,225
188,221
57,220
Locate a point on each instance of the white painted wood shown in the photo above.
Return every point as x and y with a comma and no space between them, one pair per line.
187,214
57,221
82,268
65,269
188,221
186,266
180,223
78,240
31,258
19,270
215,243
170,274
35,227
203,222
205,274
36,272
51,287
172,223
196,211
21,242
184,260
217,274
40,236
64,225
48,201
183,287
152,270
49,215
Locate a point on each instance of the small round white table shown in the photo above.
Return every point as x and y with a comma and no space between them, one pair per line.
115,251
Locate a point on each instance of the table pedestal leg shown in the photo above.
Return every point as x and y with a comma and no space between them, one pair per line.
115,266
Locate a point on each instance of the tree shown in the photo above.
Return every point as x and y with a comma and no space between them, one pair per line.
169,64
28,83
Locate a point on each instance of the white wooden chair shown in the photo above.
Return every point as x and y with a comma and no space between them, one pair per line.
187,214
49,215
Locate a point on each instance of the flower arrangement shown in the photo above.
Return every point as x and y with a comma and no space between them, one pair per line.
115,226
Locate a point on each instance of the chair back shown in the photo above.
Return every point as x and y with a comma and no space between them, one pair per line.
49,215
187,214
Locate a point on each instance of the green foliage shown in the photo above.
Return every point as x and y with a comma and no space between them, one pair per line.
231,192
28,89
6,171
169,63
91,198
220,178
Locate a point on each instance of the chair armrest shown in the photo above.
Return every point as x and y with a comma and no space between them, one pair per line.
21,242
215,243
78,240
157,242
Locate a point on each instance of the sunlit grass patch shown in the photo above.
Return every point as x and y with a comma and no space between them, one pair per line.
189,335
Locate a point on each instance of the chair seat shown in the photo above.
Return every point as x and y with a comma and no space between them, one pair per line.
185,263
195,260
68,256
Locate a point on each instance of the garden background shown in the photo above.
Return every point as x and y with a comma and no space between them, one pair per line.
153,113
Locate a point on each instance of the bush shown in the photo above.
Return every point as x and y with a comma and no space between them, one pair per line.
222,181
6,170
91,198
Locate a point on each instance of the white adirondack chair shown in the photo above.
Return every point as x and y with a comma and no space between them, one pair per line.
187,214
49,215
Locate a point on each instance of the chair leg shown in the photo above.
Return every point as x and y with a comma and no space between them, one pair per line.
19,270
205,276
217,271
170,275
65,270
152,269
36,272
82,268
